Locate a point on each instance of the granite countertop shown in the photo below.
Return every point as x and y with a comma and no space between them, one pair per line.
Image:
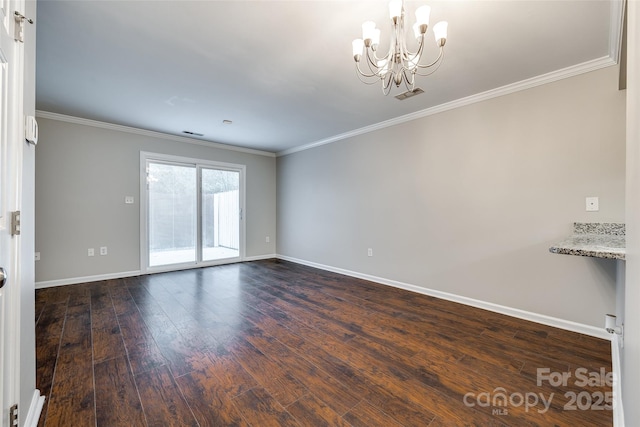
600,240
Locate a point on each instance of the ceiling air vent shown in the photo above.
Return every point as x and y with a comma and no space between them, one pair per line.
409,94
188,132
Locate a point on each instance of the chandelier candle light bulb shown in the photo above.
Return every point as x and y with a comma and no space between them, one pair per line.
358,45
440,33
422,17
368,32
400,65
395,9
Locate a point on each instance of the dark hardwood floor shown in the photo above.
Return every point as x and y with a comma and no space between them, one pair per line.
272,343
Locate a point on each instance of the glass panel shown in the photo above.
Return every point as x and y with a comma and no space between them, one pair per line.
172,214
220,214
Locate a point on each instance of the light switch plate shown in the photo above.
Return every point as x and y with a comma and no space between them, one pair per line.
592,204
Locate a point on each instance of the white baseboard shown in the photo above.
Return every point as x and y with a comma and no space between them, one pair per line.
509,311
260,257
120,275
35,408
86,279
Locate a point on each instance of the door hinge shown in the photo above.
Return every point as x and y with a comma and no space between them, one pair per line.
13,416
19,27
15,223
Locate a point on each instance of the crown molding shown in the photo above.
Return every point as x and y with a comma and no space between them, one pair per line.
615,41
616,25
585,67
149,133
615,44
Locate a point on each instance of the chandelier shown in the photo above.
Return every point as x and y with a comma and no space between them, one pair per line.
400,65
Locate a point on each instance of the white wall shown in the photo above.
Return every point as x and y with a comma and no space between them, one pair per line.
468,201
631,350
83,174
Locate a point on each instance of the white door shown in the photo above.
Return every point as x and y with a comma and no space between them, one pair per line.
11,144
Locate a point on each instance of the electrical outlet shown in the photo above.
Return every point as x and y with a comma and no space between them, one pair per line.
369,252
37,256
90,252
103,250
267,239
128,200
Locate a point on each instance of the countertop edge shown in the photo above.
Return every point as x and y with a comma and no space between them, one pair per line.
606,254
594,239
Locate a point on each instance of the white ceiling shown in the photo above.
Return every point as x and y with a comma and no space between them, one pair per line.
283,71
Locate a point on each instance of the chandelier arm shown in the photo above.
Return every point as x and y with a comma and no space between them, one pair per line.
373,59
377,58
409,83
370,61
386,84
440,56
434,69
359,72
373,71
418,53
373,66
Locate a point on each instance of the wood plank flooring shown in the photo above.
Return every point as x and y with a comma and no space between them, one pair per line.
272,343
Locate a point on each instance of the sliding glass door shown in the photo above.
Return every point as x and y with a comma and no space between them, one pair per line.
220,190
193,212
172,219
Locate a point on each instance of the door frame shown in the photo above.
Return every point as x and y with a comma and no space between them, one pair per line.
146,156
11,170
